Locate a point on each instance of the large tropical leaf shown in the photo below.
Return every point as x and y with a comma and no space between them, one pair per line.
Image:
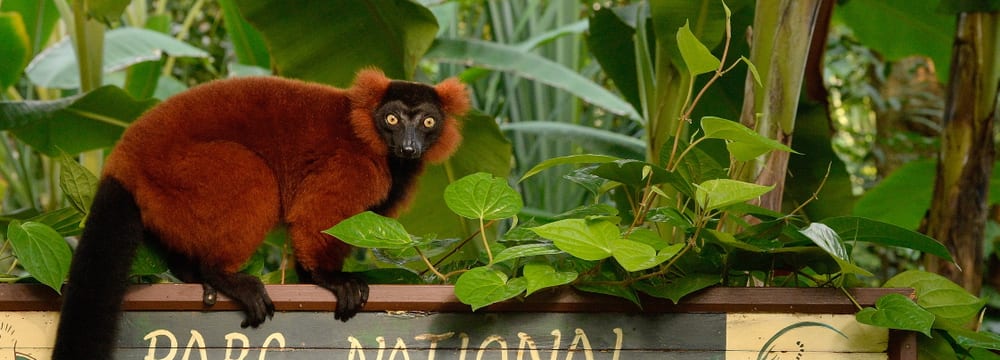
39,16
514,60
918,28
248,43
74,124
329,41
15,49
56,67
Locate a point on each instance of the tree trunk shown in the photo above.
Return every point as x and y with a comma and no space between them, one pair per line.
958,212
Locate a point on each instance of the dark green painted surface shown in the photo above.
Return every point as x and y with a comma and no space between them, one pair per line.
313,335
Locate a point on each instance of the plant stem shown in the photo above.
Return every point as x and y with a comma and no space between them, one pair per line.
195,11
429,265
486,243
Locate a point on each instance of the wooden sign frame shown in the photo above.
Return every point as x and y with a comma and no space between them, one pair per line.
427,321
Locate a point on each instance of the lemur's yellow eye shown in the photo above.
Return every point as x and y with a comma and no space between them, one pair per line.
391,119
429,122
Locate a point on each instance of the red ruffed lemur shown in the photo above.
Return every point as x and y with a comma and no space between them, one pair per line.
209,172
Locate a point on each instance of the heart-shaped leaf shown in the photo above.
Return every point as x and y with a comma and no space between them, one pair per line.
697,58
677,288
940,296
483,286
77,183
41,251
719,193
633,255
896,311
521,251
483,196
744,144
540,276
580,238
371,230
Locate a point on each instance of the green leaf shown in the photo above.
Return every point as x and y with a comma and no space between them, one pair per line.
911,184
637,173
483,196
611,42
390,35
896,311
483,286
66,221
148,261
124,47
540,276
248,43
106,11
580,238
697,58
633,255
15,48
829,241
707,17
582,133
729,241
142,79
39,19
521,251
568,160
648,237
940,296
77,183
744,144
75,124
371,230
852,228
391,276
510,59
753,70
917,28
719,193
41,251
677,288
968,338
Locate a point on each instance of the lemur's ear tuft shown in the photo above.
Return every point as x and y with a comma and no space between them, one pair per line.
369,86
454,97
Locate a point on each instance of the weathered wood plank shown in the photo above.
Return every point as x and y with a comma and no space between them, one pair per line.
164,335
165,321
441,298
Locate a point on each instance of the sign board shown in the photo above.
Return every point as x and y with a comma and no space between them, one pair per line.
299,331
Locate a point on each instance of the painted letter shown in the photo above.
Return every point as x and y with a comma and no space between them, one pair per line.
400,345
465,345
244,347
196,340
527,341
433,338
267,344
618,342
151,337
489,340
356,348
581,336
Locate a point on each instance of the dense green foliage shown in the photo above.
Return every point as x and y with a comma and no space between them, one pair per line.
609,151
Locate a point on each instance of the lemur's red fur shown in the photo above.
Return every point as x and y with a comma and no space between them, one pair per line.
212,175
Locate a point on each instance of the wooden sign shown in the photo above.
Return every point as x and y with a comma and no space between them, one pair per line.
555,327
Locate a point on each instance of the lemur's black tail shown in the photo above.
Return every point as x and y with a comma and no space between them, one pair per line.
98,275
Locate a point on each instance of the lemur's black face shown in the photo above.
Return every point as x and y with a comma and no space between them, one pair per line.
409,118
